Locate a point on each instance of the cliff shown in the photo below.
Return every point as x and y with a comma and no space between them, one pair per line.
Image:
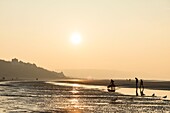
20,70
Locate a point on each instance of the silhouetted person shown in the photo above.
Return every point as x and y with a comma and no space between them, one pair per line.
112,86
141,87
111,82
136,86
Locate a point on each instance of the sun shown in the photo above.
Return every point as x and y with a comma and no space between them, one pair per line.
75,38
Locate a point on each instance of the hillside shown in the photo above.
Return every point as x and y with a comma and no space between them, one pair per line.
20,70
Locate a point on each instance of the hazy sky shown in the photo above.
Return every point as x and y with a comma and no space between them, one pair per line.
125,35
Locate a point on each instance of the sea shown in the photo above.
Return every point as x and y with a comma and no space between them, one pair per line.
56,97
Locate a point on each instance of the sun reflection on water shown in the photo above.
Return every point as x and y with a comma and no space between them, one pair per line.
75,106
75,85
74,101
74,92
80,98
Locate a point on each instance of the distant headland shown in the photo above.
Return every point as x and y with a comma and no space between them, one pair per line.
17,70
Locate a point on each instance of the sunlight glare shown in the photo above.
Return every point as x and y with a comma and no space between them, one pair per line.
76,38
75,85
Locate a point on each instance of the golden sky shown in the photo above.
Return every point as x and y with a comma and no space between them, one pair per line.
125,35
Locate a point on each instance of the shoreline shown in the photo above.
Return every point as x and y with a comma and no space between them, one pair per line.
148,84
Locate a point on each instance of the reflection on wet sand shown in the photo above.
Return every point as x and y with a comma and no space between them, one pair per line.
75,106
127,91
148,92
31,96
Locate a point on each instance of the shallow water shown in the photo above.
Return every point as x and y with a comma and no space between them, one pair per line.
148,92
32,96
126,91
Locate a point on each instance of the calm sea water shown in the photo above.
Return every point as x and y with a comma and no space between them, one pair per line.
42,96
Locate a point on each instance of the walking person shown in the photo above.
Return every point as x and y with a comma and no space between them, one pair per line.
141,88
136,86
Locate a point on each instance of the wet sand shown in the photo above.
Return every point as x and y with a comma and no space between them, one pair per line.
66,97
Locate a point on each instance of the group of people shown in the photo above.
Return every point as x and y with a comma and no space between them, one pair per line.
111,87
141,87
